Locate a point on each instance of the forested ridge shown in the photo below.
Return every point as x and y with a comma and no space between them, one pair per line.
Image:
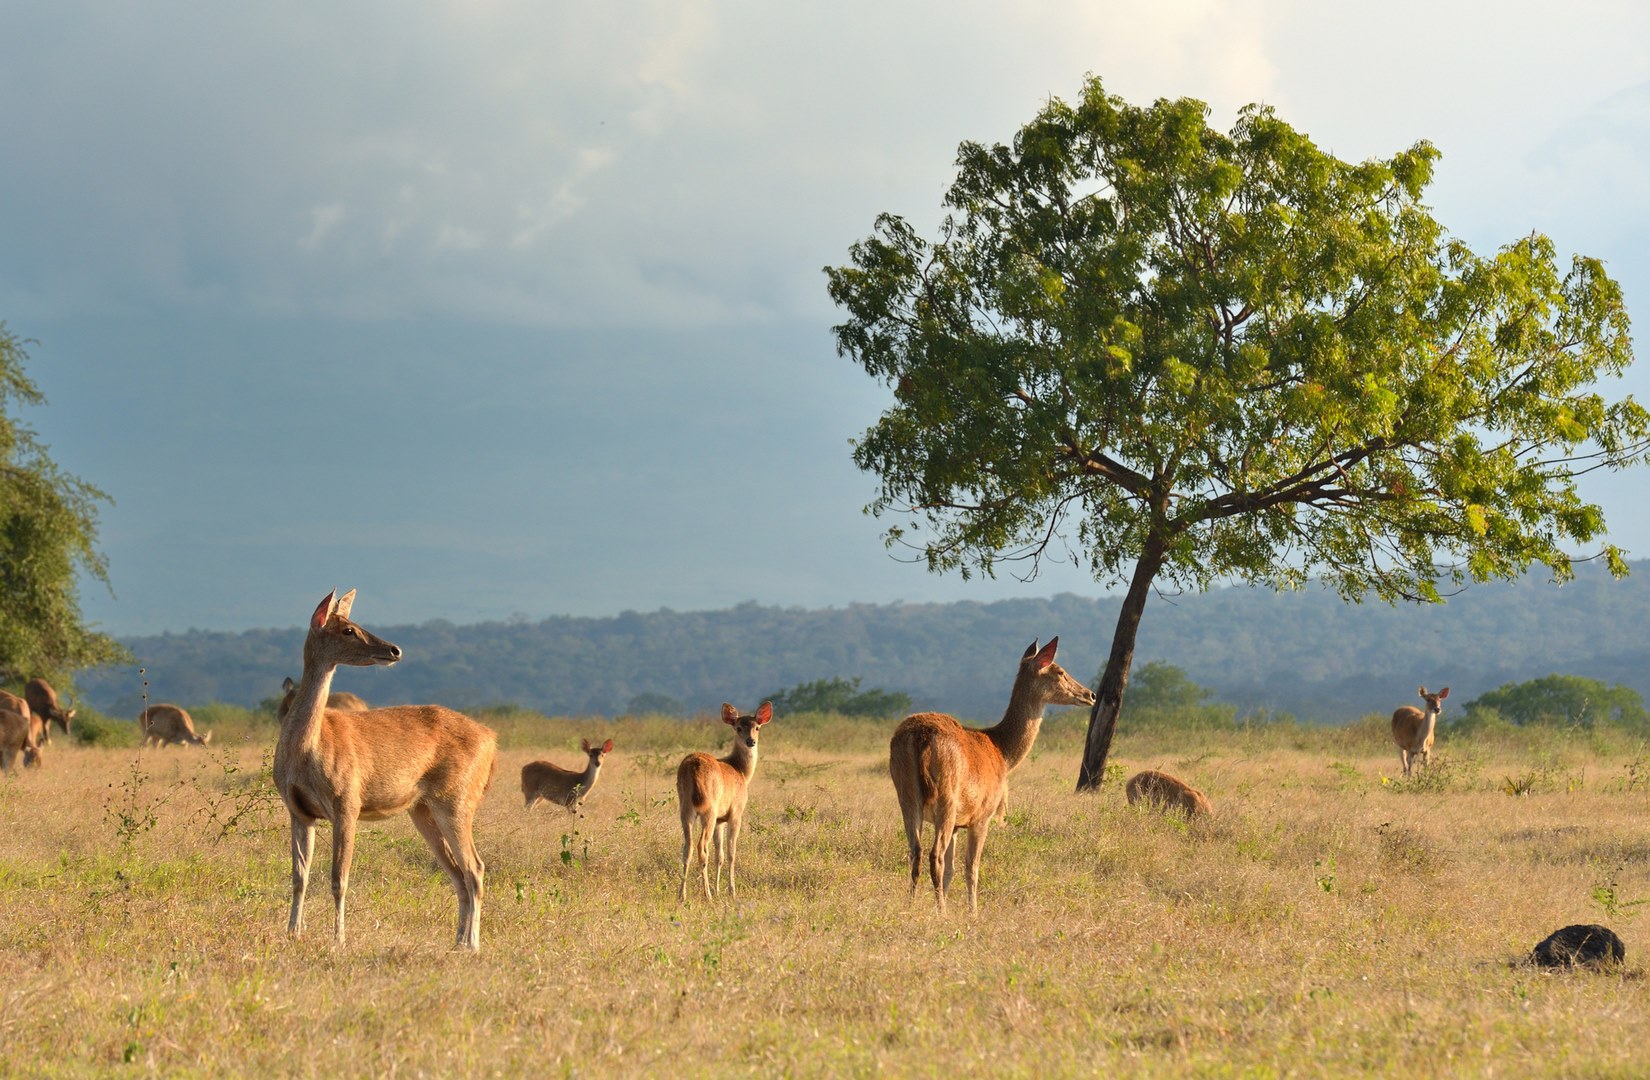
1307,653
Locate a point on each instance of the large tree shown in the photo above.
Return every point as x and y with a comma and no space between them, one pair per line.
1185,356
48,536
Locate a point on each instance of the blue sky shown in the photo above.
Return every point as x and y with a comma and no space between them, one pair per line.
499,308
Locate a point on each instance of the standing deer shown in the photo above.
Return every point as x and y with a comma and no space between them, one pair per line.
1164,792
337,699
166,725
1413,729
957,777
432,762
564,787
19,734
42,700
712,793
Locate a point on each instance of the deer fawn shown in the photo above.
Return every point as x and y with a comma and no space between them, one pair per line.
432,762
564,787
712,792
957,777
168,724
1413,729
43,700
1164,792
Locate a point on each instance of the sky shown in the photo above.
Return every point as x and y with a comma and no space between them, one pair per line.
496,308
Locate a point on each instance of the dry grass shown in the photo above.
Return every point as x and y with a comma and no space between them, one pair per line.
1323,921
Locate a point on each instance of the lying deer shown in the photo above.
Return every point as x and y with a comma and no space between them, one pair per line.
165,725
1164,792
429,761
337,699
957,777
19,734
42,700
564,787
1413,729
712,794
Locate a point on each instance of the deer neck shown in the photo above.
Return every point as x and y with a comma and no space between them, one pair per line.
301,730
742,759
1017,731
588,780
1429,721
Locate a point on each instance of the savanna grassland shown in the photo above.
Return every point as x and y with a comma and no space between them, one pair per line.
1327,920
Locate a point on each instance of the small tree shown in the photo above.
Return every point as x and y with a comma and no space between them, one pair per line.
841,696
1564,699
1187,356
48,533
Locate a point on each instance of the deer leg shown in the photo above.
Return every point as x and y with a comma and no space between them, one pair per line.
303,849
425,823
971,866
707,831
939,860
687,853
913,841
343,852
721,852
454,826
733,850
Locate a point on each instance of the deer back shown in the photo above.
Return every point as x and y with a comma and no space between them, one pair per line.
1160,790
382,761
939,761
9,700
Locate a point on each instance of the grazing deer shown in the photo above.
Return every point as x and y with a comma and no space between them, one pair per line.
19,734
337,699
564,787
166,725
432,762
712,793
42,700
1164,792
9,700
957,777
1413,729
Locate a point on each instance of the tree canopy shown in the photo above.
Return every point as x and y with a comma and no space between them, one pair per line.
1182,356
48,535
841,696
1564,700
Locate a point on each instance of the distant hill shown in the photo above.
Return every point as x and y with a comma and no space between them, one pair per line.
1304,653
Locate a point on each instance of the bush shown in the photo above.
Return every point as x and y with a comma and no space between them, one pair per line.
94,729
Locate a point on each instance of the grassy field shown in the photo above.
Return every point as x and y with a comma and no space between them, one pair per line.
1327,919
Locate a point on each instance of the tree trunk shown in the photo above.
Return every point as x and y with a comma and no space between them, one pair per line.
1109,698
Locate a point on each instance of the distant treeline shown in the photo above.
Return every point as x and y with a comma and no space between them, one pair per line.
1305,654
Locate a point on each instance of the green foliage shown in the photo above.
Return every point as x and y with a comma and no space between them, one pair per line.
94,729
48,537
1562,700
841,696
1232,353
1163,696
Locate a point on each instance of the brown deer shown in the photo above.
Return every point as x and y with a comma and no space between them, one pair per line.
1161,791
1413,729
712,793
166,725
19,734
42,700
432,762
337,699
957,777
564,787
9,700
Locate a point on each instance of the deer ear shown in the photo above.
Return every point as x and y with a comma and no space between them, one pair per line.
322,610
607,747
764,712
346,602
1046,657
586,745
1444,693
1031,650
287,685
730,715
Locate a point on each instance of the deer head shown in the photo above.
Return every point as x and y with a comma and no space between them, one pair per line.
745,727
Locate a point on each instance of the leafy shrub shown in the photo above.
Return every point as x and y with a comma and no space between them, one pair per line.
94,729
840,696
